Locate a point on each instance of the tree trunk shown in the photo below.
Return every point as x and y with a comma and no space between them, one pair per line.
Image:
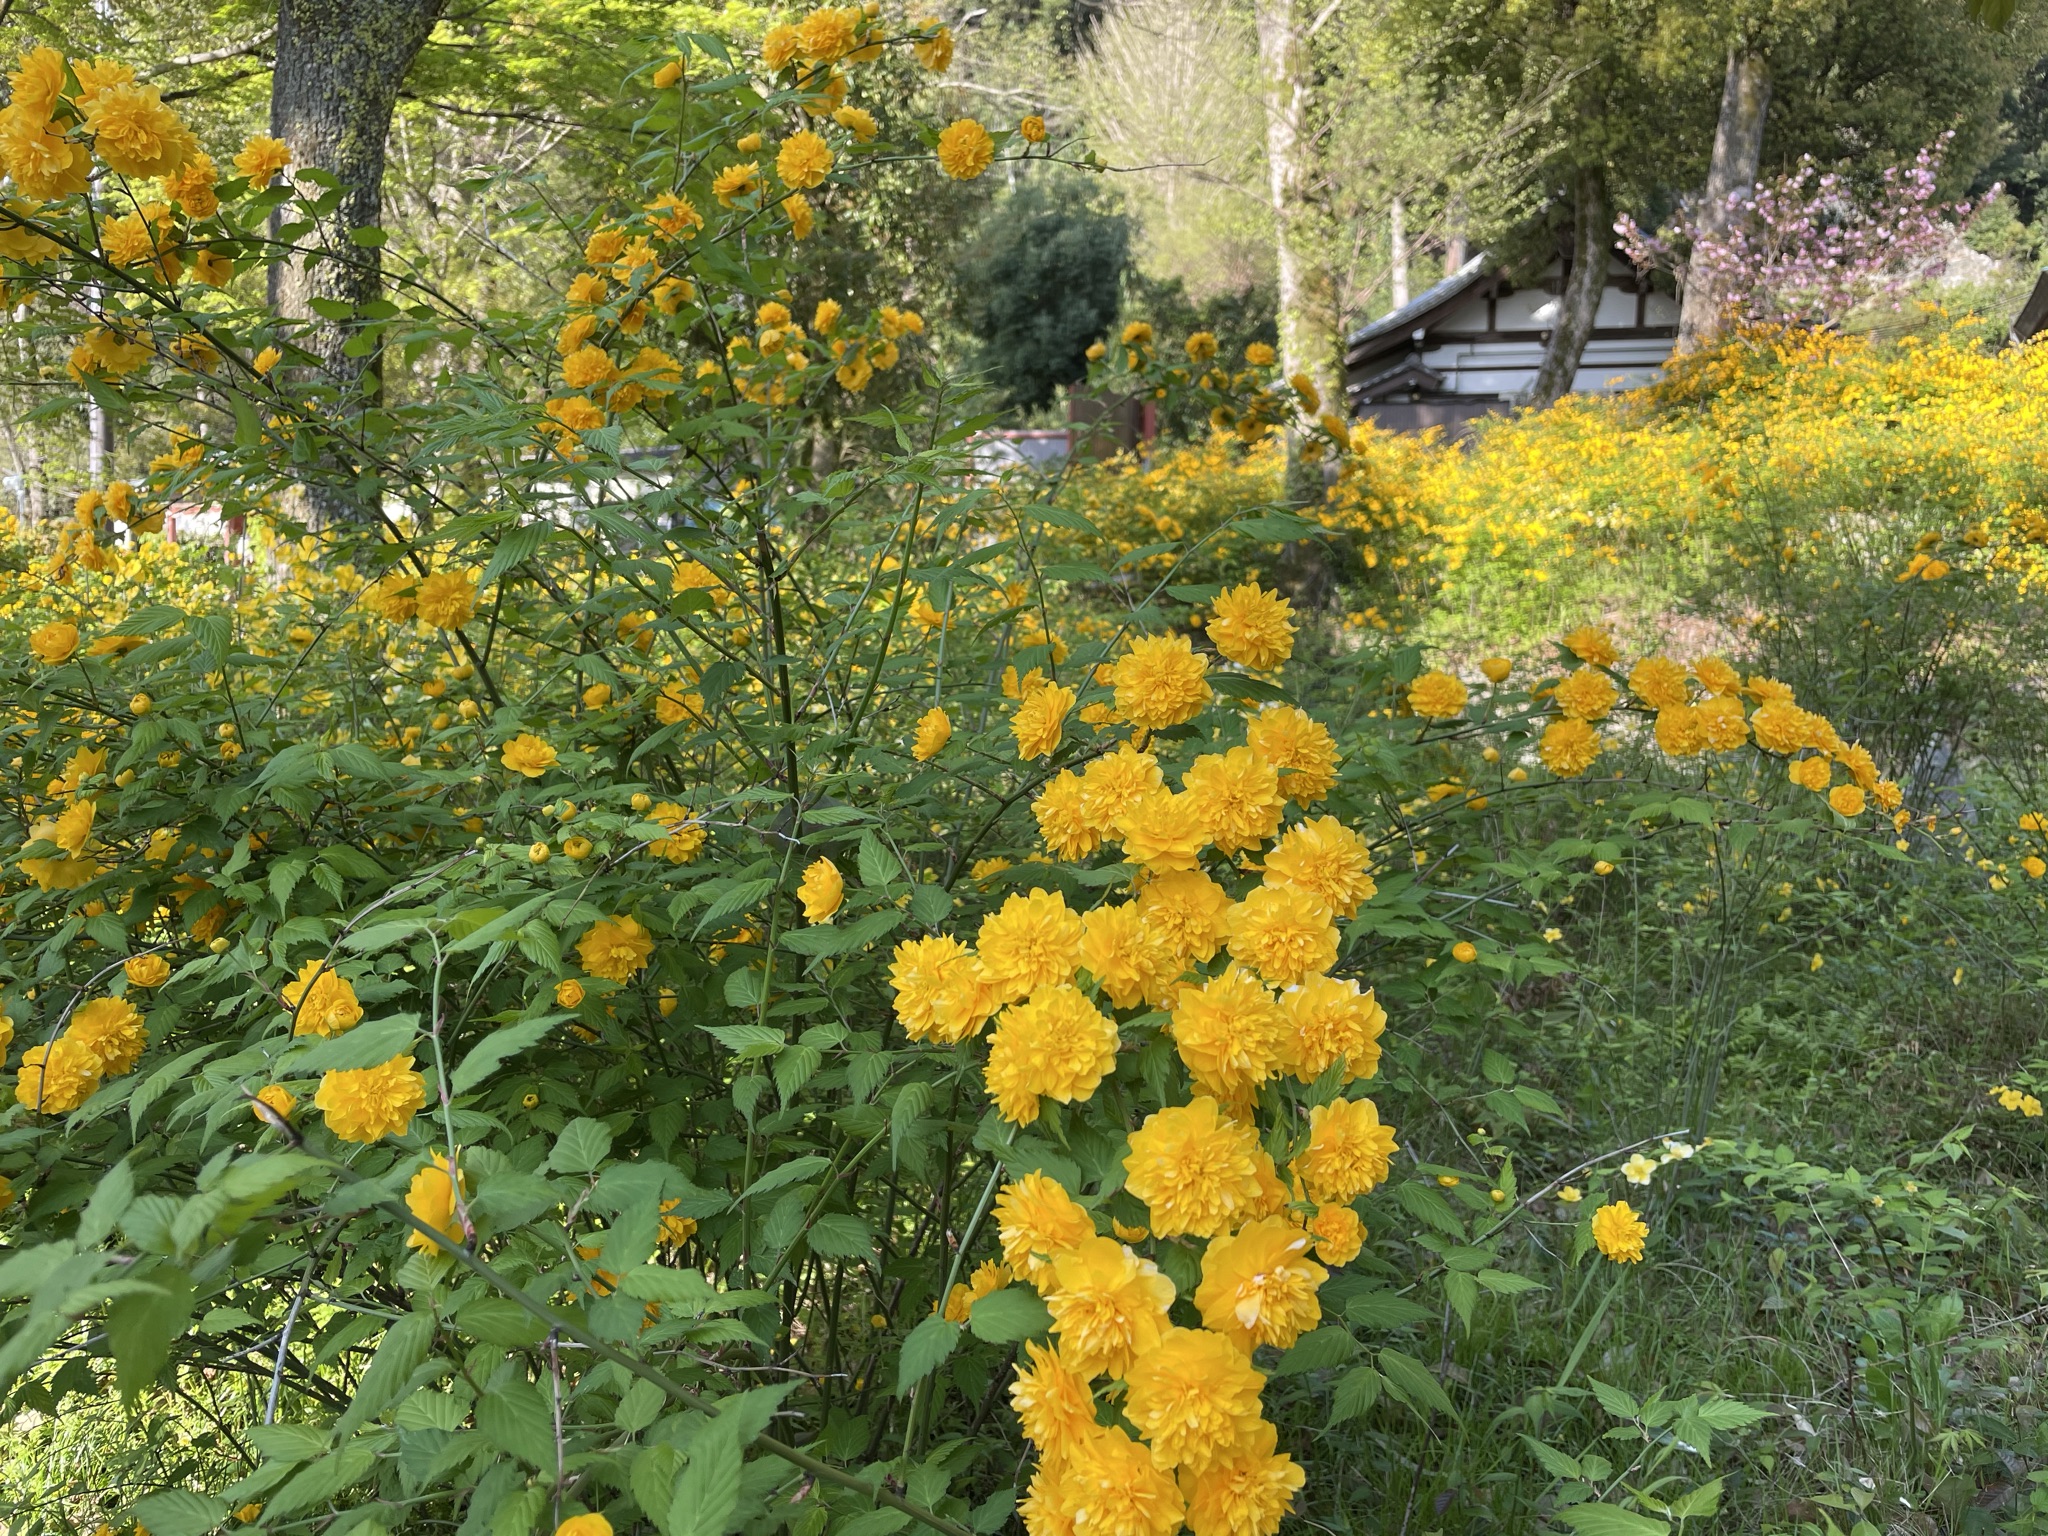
339,66
1738,149
1592,238
1397,243
1307,292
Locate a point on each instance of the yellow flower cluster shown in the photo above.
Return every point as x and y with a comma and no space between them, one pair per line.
1246,986
1691,711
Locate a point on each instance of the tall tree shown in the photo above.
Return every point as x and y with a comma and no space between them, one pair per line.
1305,288
340,64
1585,278
1738,150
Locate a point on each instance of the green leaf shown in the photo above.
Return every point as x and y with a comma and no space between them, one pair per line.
1412,1379
1504,1284
639,1407
708,1496
787,1173
1703,1500
839,1236
743,988
1462,1292
931,904
367,1045
749,1042
924,1351
142,1323
491,1052
1614,1400
1383,1309
1607,1520
1726,1413
1317,1351
178,1512
398,1356
878,866
499,1320
1009,1315
1357,1391
475,929
287,1442
1555,1462
582,1146
653,1479
516,1418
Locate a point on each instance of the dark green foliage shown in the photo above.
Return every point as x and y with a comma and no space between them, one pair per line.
1039,285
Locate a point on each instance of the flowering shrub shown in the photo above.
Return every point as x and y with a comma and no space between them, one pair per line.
604,985
1810,247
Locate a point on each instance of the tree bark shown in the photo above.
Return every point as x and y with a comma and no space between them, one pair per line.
1577,305
1307,291
1397,250
1738,149
339,66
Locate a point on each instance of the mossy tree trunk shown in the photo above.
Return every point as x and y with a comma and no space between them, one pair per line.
1738,150
339,67
1306,289
1584,282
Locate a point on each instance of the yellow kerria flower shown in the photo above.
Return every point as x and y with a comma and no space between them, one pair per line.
934,730
112,1033
1236,796
1163,831
1259,1286
1619,1232
804,160
614,948
1040,721
1326,859
1247,1492
54,642
1300,746
1252,627
1195,1168
431,1197
1437,696
1054,1405
1053,1045
1188,910
1339,1234
1033,940
57,1077
1231,1034
527,754
1587,694
821,891
1568,747
1130,960
1108,1306
1192,1396
321,1000
1638,1169
374,1102
1283,932
1160,682
1037,1220
447,599
1348,1151
1332,1019
1592,645
273,1104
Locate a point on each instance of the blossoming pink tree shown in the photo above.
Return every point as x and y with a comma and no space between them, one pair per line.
1812,246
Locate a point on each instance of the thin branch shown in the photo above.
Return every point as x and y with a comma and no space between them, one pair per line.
213,55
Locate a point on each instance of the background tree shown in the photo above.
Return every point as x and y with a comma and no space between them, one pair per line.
1039,283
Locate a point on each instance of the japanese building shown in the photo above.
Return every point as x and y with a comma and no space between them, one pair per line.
1471,345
